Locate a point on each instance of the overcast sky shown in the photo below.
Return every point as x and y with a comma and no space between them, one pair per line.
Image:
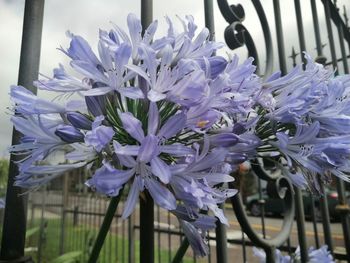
86,17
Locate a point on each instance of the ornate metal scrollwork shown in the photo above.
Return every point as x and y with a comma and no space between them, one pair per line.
237,35
283,189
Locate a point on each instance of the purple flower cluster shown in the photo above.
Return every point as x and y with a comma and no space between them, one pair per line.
169,117
321,255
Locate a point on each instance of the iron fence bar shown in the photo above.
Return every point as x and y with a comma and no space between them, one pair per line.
326,220
244,251
300,218
15,214
262,208
131,238
314,220
342,48
169,237
146,229
344,210
300,27
316,28
158,234
146,203
209,18
279,32
330,34
63,212
221,241
335,16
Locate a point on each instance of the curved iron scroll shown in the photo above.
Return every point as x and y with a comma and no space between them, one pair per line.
237,35
282,188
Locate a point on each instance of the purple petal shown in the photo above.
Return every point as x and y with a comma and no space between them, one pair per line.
148,149
176,149
160,194
97,91
173,125
160,169
153,118
132,198
131,92
108,180
132,150
125,160
132,125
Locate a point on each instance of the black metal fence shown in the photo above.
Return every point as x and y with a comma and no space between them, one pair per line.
67,220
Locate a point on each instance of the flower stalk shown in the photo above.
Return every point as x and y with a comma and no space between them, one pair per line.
106,224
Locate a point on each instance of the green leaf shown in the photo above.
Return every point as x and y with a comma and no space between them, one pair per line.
32,231
69,257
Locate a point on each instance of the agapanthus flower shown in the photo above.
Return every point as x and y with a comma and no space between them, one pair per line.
321,255
168,116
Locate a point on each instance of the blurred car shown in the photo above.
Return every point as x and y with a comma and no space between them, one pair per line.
275,206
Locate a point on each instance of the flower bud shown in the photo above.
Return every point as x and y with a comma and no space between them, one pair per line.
69,134
79,121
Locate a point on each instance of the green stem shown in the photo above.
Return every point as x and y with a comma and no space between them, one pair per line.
112,207
181,251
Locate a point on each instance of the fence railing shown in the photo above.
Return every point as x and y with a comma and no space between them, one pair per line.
68,220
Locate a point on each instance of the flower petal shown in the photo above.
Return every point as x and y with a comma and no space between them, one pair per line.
160,194
132,198
174,124
160,169
153,118
132,125
148,149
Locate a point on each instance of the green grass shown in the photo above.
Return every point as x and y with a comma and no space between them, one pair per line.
80,238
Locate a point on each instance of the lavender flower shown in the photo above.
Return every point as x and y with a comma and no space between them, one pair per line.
167,116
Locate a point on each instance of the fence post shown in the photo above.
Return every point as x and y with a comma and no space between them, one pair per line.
63,214
146,204
14,227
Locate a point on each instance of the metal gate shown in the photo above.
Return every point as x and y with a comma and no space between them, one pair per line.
76,214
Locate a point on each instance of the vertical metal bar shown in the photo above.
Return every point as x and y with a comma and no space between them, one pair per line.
301,36
158,234
262,209
326,220
221,241
42,224
244,250
279,32
146,229
146,204
123,241
15,215
344,210
342,49
209,246
131,238
169,237
330,34
316,27
300,218
63,212
146,13
209,18
220,231
314,219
